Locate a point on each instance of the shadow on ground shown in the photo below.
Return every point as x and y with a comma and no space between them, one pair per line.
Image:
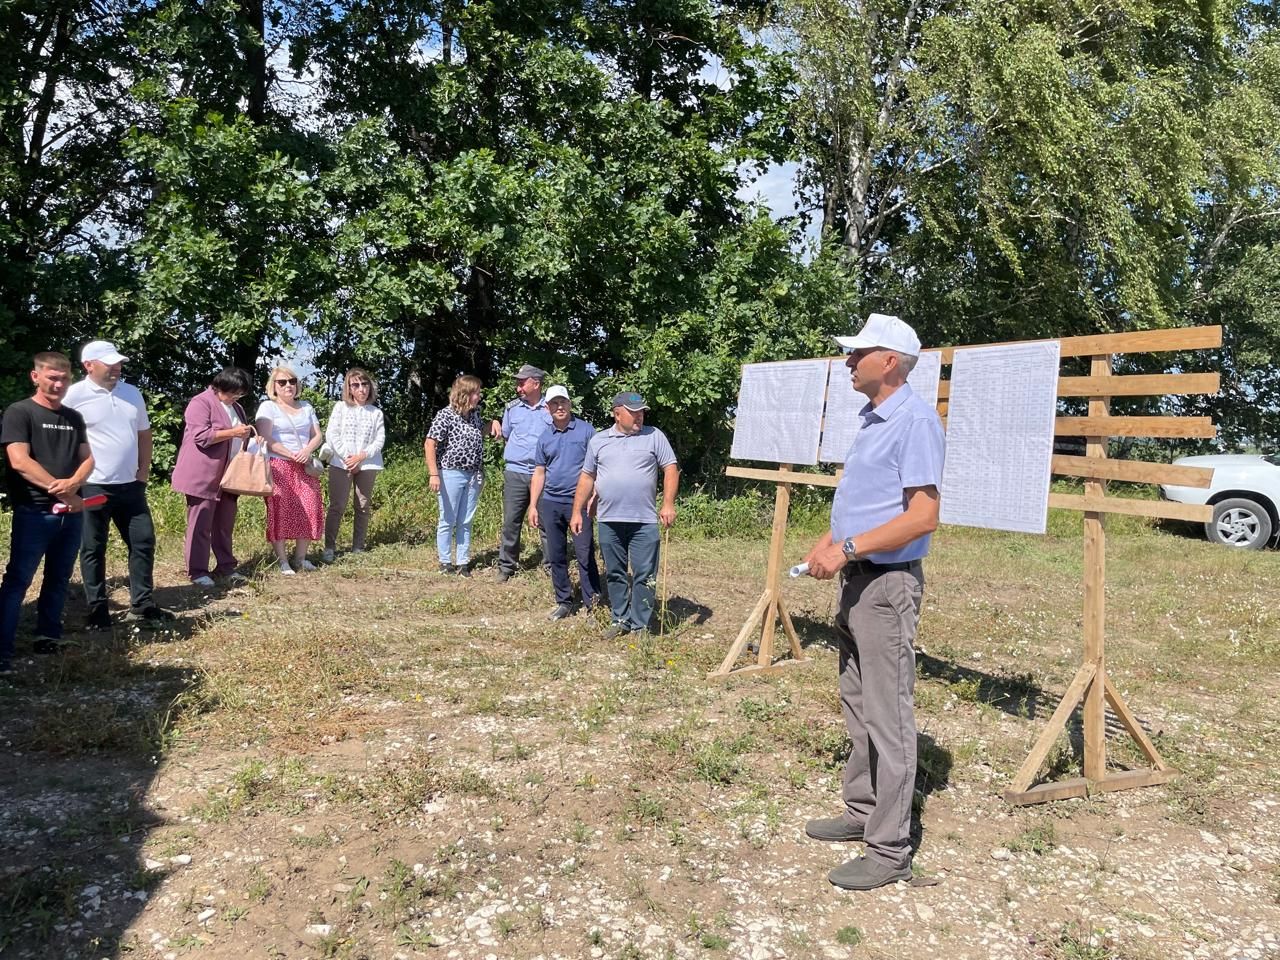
84,731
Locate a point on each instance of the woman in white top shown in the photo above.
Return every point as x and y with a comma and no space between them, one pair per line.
355,436
296,510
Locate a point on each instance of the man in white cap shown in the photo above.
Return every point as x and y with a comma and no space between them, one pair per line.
557,465
119,430
885,510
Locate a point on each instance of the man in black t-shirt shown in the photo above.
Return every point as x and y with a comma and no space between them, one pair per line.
48,458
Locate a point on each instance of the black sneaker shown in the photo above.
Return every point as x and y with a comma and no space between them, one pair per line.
446,568
98,620
503,576
463,570
152,617
617,630
561,611
46,646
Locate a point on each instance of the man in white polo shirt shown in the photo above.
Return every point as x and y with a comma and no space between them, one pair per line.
119,431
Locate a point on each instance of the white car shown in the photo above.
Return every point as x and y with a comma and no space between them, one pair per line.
1245,494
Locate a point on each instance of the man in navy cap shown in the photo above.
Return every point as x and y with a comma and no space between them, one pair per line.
523,421
622,466
884,512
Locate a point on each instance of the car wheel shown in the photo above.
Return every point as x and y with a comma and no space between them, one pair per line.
1239,523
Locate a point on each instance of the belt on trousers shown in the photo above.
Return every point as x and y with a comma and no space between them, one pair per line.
865,568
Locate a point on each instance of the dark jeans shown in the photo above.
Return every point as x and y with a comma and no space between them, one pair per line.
38,534
515,504
127,508
631,596
553,519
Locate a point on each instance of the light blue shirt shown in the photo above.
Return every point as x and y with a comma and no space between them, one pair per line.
900,445
522,425
625,467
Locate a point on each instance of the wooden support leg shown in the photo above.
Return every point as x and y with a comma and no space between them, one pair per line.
1057,723
740,642
1131,724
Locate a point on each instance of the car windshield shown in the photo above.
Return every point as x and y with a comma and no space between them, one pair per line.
1273,458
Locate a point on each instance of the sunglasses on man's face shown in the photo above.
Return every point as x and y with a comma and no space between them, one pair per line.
292,381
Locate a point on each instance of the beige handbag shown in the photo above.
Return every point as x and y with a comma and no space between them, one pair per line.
248,474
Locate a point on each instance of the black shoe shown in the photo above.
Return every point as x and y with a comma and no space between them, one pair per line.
446,568
503,576
616,630
561,611
463,570
45,646
98,620
152,617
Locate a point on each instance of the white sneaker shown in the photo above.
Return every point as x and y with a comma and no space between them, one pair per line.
286,570
205,581
308,566
327,556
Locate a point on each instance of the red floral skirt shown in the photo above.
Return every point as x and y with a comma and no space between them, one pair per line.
296,511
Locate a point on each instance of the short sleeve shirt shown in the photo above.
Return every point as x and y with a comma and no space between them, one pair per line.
522,425
459,440
290,430
561,453
900,445
626,467
54,438
113,419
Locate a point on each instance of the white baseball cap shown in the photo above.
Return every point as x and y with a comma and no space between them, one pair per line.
883,330
103,350
556,391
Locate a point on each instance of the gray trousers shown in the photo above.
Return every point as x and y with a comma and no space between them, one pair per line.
876,623
341,481
515,504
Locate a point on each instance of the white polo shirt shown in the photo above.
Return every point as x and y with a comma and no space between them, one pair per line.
113,419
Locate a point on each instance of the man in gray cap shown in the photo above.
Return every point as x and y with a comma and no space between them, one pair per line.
621,467
884,512
523,421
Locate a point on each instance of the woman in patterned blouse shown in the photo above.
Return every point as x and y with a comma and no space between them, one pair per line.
454,451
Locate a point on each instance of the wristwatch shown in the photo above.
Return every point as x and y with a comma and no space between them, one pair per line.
850,551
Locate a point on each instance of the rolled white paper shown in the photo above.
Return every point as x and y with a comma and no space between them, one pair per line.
799,570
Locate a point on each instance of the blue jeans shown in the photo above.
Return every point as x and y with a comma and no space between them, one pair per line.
458,498
38,535
631,595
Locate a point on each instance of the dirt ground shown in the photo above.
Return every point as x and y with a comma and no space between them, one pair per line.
377,760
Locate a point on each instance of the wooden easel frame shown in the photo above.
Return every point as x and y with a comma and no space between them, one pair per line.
1091,688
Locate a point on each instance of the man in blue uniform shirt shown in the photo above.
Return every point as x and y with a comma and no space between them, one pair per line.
523,422
885,509
557,464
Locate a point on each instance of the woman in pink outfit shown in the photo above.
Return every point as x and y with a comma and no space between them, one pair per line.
214,428
296,511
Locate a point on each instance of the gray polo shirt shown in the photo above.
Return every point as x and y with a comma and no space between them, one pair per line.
626,467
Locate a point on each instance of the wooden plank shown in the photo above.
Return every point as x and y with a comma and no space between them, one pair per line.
1058,790
1057,722
755,670
1143,385
1134,471
1095,598
1102,426
1160,509
740,642
1133,385
1083,787
797,652
777,476
1131,724
1130,779
1138,341
773,574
